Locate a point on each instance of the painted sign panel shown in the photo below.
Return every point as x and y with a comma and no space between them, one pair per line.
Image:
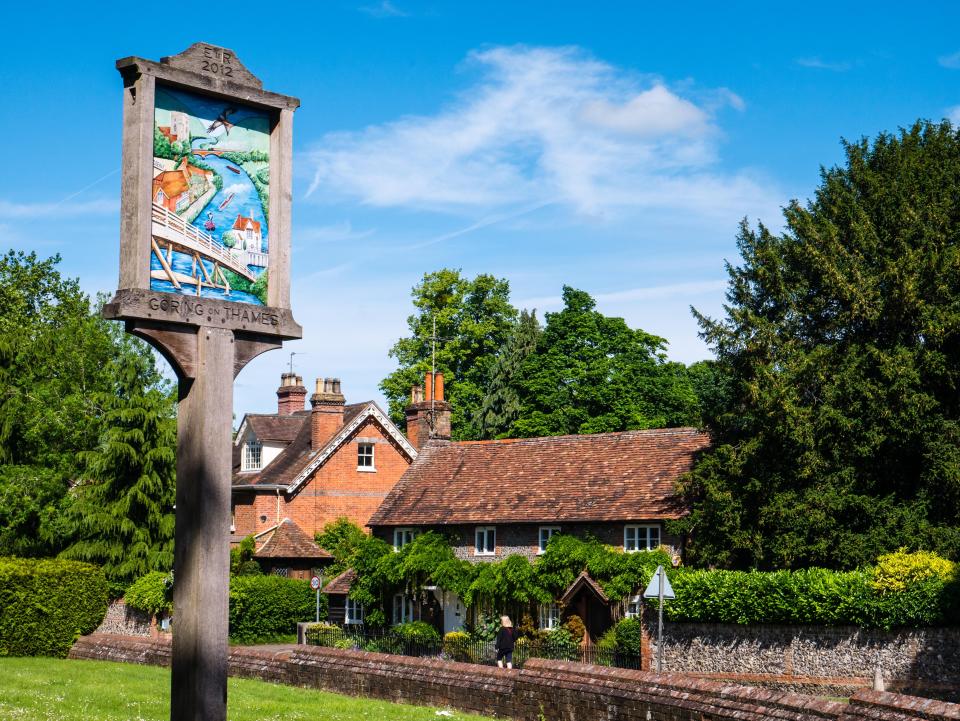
209,198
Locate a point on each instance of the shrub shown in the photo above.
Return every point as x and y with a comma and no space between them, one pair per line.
325,634
242,562
416,632
457,645
152,593
575,626
45,604
628,634
559,644
895,572
264,607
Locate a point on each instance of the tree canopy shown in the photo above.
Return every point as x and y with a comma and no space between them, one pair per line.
837,436
473,319
590,373
86,427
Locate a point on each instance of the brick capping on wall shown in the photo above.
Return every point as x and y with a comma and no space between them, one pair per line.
561,691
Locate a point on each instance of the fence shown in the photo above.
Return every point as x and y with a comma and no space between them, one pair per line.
464,649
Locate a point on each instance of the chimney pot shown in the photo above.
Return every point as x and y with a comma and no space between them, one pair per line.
327,415
291,395
428,386
438,386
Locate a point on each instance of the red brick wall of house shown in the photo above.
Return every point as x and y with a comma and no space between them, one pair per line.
336,489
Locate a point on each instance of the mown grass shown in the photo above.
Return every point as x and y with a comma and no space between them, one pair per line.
45,689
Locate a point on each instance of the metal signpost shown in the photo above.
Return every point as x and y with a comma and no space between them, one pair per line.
659,588
204,278
315,585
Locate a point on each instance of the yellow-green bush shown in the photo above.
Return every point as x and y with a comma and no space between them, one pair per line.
895,572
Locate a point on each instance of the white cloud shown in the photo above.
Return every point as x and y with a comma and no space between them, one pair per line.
19,211
335,233
657,292
820,64
384,9
543,125
951,61
953,114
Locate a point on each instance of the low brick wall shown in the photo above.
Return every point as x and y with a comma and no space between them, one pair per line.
560,691
817,659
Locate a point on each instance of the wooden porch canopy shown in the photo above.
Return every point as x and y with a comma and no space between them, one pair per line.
583,581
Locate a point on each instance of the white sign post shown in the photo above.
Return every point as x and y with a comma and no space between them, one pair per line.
315,585
659,588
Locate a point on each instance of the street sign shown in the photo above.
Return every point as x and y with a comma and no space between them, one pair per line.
315,583
653,588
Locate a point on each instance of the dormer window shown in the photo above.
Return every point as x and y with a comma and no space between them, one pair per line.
252,455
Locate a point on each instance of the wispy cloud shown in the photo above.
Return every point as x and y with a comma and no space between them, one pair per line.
20,211
383,9
657,292
335,233
953,114
951,61
479,225
820,64
543,125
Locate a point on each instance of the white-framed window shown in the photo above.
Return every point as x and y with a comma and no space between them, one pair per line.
641,538
546,533
252,455
403,536
354,612
633,607
486,540
365,457
402,608
549,616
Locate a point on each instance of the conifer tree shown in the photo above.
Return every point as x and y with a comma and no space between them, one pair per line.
122,515
838,435
501,404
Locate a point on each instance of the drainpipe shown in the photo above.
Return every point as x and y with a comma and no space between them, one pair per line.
278,506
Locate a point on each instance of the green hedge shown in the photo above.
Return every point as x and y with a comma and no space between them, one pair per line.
810,596
151,593
264,607
45,604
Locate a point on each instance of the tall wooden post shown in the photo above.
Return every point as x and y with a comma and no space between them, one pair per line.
198,689
208,337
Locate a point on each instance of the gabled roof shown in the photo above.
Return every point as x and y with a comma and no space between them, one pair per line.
243,223
601,477
298,461
272,427
289,541
583,581
340,586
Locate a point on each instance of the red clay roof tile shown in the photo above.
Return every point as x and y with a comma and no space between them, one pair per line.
601,477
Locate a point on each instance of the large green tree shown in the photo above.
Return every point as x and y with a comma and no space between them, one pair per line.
839,435
65,375
501,403
473,319
591,373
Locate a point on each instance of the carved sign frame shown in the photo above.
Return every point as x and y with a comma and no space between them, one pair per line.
171,321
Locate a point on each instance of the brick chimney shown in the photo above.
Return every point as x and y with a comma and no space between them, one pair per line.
327,416
291,395
427,404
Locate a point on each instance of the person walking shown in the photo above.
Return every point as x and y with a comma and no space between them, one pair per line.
506,637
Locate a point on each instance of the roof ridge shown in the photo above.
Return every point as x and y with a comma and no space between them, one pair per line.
686,430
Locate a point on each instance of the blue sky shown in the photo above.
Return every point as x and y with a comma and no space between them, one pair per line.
608,146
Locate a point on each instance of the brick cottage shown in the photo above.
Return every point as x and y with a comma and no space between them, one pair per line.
296,470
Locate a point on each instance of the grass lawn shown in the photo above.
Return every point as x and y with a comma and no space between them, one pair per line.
61,690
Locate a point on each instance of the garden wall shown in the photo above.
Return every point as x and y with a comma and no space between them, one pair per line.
818,659
554,690
126,621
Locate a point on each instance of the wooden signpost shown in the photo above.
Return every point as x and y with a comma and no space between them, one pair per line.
204,278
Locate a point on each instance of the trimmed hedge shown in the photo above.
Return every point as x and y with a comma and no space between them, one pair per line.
45,604
264,607
151,593
809,596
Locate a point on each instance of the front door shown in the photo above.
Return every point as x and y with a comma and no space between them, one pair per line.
454,613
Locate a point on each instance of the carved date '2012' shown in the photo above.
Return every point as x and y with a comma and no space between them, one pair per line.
216,62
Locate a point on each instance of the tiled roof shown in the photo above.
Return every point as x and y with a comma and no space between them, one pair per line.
276,428
340,586
583,581
600,477
294,458
289,541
